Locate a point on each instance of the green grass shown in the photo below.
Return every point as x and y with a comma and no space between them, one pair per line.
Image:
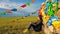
16,25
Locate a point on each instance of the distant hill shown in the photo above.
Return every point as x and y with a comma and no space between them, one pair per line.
16,13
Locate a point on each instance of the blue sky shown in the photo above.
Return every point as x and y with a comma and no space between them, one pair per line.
9,4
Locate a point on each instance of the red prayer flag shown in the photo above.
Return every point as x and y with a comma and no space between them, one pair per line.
23,6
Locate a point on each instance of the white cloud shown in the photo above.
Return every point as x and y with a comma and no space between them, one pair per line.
9,5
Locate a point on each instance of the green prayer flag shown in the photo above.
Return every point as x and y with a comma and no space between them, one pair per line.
2,13
28,3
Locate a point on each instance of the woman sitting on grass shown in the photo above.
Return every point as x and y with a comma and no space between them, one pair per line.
37,26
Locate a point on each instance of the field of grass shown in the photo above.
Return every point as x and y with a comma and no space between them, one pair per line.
16,25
